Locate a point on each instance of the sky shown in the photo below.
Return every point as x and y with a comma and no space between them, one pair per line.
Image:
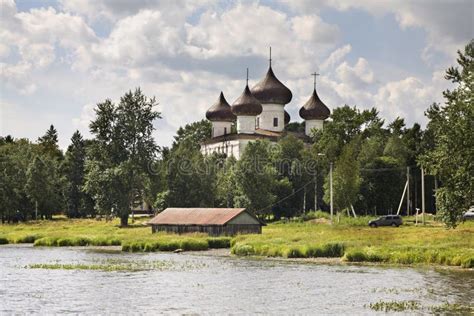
59,58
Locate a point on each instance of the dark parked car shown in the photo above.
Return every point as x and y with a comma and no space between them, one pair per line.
389,220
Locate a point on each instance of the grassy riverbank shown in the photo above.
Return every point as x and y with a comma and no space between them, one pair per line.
86,232
349,240
407,244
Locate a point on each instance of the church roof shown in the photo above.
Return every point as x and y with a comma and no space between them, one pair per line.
220,111
271,90
247,104
314,108
287,118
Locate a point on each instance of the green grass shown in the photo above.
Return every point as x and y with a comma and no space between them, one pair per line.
349,240
408,244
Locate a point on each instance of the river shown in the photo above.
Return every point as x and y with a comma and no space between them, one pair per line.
205,283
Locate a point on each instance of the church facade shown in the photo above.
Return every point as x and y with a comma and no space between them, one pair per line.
259,113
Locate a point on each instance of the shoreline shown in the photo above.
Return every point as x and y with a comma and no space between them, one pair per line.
226,253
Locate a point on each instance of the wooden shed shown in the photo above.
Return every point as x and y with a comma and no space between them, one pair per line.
213,221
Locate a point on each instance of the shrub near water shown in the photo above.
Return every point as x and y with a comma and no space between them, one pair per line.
3,241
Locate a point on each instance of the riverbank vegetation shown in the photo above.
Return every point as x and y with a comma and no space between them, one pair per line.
349,240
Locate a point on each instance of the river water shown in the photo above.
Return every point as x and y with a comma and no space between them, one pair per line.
204,283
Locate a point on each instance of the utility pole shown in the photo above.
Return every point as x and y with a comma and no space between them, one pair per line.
422,195
316,191
408,191
304,200
330,192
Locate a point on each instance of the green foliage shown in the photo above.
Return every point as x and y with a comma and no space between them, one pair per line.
453,148
3,240
219,242
120,156
190,177
194,133
78,203
254,170
346,179
43,186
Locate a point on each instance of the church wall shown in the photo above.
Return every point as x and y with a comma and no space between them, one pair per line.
221,128
310,124
245,124
270,112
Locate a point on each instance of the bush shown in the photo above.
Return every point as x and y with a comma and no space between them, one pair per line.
219,242
243,250
64,242
46,242
151,246
170,245
294,252
355,256
194,244
468,263
105,242
27,239
3,241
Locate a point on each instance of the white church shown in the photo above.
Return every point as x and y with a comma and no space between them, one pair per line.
259,113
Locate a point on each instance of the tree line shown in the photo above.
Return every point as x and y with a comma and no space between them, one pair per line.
121,165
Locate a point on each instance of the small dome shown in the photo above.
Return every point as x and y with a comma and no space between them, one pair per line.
314,109
287,118
271,90
246,104
220,111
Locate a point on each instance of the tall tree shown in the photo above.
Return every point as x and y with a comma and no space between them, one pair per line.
346,178
43,186
121,153
255,178
49,143
195,133
452,127
78,203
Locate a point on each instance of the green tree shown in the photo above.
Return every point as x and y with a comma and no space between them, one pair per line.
78,203
42,186
452,127
48,143
256,178
195,133
191,177
346,179
122,152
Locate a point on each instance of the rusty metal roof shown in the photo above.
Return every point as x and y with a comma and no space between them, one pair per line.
197,216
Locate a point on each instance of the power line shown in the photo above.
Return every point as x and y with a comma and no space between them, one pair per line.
286,197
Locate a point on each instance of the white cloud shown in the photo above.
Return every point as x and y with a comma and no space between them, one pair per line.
449,24
358,76
336,56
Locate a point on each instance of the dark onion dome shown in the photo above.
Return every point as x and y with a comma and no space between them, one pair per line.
287,118
220,111
246,104
271,90
314,109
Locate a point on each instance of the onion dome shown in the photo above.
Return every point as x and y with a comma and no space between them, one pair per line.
287,118
271,90
220,111
247,104
314,108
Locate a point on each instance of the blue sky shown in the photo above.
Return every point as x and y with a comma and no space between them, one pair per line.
60,58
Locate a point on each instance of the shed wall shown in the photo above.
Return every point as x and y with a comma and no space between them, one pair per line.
213,230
